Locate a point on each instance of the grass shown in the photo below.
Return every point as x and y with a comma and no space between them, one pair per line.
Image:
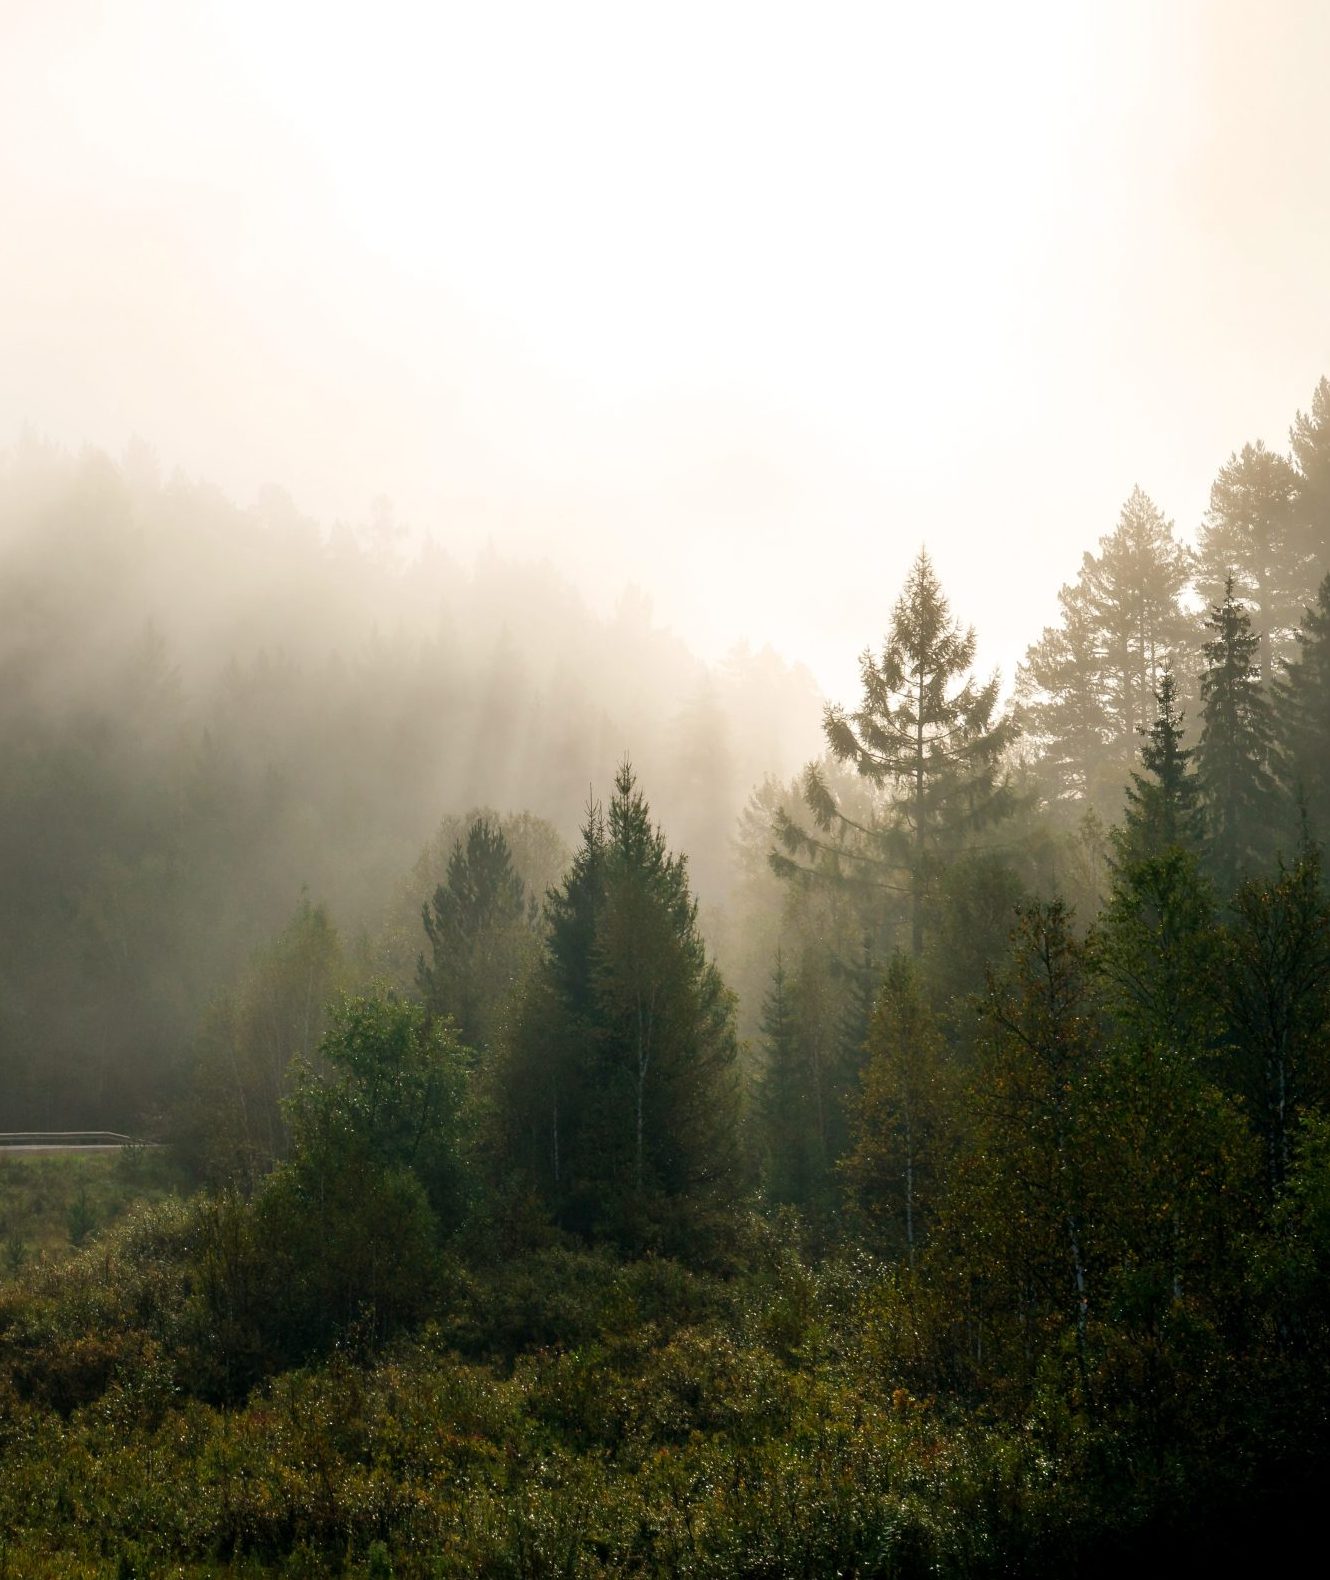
52,1203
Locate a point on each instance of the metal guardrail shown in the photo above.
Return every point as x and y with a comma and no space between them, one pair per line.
71,1138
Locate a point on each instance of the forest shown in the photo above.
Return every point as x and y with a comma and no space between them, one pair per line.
605,1114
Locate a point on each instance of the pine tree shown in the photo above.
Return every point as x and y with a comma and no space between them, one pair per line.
784,1099
1237,739
480,929
1302,701
1061,702
1134,587
1248,545
1309,439
1163,810
1086,686
925,730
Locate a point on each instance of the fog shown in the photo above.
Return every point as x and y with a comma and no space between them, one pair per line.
423,411
725,304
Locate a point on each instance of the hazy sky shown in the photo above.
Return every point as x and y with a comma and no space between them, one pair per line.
739,302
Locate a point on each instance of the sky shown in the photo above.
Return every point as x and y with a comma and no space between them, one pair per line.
737,303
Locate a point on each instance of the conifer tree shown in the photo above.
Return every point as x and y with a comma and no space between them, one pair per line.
1237,739
1062,710
1276,987
1163,804
1302,701
628,1038
480,929
784,1099
1019,1220
1134,586
1086,687
541,1083
902,1115
925,732
1309,439
1178,1156
1249,542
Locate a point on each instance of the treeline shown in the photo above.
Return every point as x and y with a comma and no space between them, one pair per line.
1002,1246
205,710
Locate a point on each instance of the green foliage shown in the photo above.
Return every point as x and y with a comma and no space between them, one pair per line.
813,1045
1309,439
1019,1227
1303,704
232,1125
1234,757
1251,547
1163,809
481,931
393,1096
488,1298
622,1071
81,1219
784,1096
925,730
1276,996
45,1197
904,1120
1159,951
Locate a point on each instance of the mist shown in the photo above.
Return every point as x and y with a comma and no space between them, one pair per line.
664,781
574,289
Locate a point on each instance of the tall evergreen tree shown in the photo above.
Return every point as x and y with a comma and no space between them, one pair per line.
1248,542
1309,439
541,1083
1019,1222
925,731
1061,693
1163,804
1087,685
784,1099
1237,739
628,1040
1134,586
1302,701
1178,1160
902,1118
1276,991
480,929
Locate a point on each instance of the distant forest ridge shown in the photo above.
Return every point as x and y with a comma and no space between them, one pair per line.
211,717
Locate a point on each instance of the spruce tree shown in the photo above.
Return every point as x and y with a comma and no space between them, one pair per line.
784,1099
625,1054
926,733
1237,739
1163,804
480,929
1302,700
1178,1158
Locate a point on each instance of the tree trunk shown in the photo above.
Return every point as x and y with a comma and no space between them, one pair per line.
917,884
